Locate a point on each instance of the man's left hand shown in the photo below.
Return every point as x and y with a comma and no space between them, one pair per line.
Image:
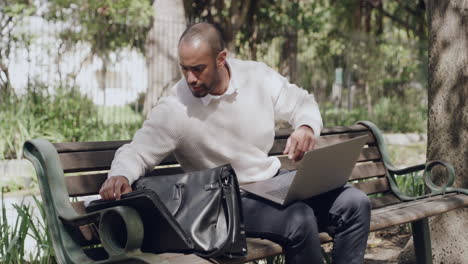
300,141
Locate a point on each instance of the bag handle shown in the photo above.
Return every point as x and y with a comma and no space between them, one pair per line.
232,211
178,195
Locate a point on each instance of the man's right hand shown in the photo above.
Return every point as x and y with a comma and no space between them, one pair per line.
114,187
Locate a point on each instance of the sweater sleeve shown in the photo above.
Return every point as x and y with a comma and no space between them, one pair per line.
293,104
157,138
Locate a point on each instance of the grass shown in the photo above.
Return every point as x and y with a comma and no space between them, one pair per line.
118,115
403,156
13,235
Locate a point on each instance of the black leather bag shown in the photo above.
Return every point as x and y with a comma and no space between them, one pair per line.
207,206
197,212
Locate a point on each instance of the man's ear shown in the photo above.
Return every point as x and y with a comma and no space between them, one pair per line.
221,58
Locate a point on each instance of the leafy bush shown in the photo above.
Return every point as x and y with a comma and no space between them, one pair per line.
60,115
392,114
333,116
398,115
38,113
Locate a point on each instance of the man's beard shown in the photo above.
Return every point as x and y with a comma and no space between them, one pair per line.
205,88
199,93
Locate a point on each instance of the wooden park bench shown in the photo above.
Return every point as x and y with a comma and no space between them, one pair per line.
68,171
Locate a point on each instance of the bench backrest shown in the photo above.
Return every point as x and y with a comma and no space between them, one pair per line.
85,164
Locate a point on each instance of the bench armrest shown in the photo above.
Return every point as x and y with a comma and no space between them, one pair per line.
112,221
426,167
407,170
60,215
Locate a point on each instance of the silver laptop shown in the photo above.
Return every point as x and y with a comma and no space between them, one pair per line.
320,170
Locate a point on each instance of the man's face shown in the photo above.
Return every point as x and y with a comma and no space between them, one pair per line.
198,67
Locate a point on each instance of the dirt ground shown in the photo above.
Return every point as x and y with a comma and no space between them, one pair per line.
384,247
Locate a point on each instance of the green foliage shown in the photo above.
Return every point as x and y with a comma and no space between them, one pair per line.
392,114
13,235
411,184
333,116
278,18
110,115
38,113
64,115
107,25
13,14
138,104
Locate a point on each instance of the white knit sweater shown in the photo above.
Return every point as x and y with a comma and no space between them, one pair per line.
237,127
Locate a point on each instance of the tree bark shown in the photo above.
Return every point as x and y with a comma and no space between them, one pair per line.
289,48
161,49
288,56
448,118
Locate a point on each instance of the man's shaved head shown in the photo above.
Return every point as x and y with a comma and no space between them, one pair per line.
203,32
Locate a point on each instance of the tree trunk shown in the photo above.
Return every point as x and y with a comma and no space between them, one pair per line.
161,49
289,48
103,77
448,118
288,56
368,99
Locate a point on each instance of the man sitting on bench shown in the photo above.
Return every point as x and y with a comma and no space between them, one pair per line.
224,111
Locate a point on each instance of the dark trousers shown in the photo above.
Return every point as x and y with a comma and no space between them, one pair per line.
344,213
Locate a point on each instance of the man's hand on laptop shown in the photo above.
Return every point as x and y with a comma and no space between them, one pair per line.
300,141
114,187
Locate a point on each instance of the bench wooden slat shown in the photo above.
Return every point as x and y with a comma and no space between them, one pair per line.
337,138
93,161
89,146
280,144
85,158
360,171
368,170
82,185
385,200
84,161
89,184
377,185
113,145
284,133
415,210
403,205
165,171
369,154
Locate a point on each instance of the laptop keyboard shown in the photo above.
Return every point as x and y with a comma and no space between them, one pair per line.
280,192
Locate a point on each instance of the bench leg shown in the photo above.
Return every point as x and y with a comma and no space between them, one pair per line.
422,241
